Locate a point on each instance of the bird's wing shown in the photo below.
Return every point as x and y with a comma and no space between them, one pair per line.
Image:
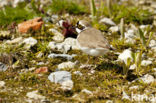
92,38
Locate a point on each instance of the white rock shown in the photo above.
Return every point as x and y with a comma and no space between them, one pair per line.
144,27
114,29
134,87
130,34
60,23
125,55
34,95
109,101
107,21
87,92
152,43
72,42
67,85
30,42
52,45
2,84
132,67
86,66
58,37
66,65
3,3
125,96
3,67
14,41
32,69
66,56
146,62
78,73
130,40
68,44
54,16
59,76
147,79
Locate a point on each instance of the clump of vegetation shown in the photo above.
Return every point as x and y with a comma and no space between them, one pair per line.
62,6
130,14
18,14
145,41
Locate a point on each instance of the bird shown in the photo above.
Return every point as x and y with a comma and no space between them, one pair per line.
91,40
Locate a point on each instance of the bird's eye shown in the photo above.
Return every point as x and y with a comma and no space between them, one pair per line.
80,27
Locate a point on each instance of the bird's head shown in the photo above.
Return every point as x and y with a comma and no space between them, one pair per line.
82,25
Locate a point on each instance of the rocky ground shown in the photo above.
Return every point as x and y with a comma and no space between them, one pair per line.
40,61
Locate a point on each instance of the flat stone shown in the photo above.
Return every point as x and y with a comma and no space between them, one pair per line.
152,43
34,95
58,37
130,36
125,96
72,42
59,76
15,41
68,44
114,29
147,79
67,85
107,21
134,87
34,24
3,67
87,92
29,42
146,62
132,67
125,55
66,65
78,73
2,84
59,46
66,56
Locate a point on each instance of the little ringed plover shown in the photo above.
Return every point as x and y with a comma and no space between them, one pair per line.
91,40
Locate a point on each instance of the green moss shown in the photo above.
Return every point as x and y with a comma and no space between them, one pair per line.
18,14
61,6
130,14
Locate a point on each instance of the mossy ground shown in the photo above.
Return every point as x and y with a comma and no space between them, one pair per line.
108,81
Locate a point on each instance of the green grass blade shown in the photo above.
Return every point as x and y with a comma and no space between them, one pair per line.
93,8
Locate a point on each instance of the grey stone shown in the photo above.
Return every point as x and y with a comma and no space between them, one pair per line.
68,44
58,37
146,79
146,62
114,29
66,56
59,76
34,95
3,67
29,42
67,85
107,21
78,73
125,96
2,83
68,64
87,92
